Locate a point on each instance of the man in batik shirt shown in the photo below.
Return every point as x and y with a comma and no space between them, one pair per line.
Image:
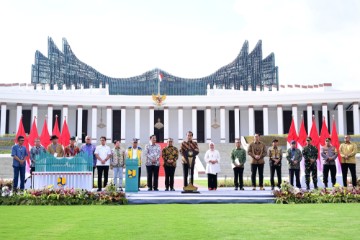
170,154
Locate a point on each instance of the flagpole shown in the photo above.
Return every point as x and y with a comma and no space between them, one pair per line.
158,82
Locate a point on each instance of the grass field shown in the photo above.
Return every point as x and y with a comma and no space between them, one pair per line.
220,221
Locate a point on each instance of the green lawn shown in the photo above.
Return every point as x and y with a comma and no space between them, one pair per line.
202,221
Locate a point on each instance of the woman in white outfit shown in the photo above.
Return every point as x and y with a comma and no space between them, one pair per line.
212,159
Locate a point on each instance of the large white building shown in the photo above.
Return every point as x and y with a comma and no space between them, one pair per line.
220,116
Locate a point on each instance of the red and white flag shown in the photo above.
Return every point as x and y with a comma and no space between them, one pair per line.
324,134
65,135
292,135
315,138
45,136
335,142
302,143
56,130
160,76
33,134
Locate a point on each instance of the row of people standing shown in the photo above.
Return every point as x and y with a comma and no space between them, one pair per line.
19,153
105,158
329,154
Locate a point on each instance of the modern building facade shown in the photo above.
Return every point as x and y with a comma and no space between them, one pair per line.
63,68
221,115
239,99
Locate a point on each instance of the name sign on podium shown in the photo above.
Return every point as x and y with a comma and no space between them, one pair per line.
132,175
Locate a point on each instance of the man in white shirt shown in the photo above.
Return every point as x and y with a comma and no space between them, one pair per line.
103,154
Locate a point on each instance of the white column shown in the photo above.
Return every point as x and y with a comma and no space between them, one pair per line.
50,118
280,119
317,120
222,125
3,119
266,119
309,117
356,118
251,120
79,123
94,124
18,115
151,121
123,125
166,124
208,124
137,122
324,110
340,109
237,122
65,113
180,124
294,110
194,122
34,114
109,124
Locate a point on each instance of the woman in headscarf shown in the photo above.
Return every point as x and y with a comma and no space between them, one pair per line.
212,159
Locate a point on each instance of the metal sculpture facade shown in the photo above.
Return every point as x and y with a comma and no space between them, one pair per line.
248,71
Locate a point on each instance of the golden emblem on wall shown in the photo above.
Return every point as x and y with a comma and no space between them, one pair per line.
158,99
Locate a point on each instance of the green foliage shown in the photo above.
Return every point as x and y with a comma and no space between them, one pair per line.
5,151
6,142
51,196
290,195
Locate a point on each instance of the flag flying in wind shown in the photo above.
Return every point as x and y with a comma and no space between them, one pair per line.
302,143
335,142
65,134
324,134
56,130
33,133
315,138
45,136
160,76
292,132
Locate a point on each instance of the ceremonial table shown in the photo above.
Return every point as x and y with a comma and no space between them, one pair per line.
69,172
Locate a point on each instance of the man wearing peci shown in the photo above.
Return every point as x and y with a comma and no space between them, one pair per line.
186,146
170,154
294,157
275,156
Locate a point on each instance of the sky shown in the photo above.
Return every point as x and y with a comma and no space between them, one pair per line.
313,41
